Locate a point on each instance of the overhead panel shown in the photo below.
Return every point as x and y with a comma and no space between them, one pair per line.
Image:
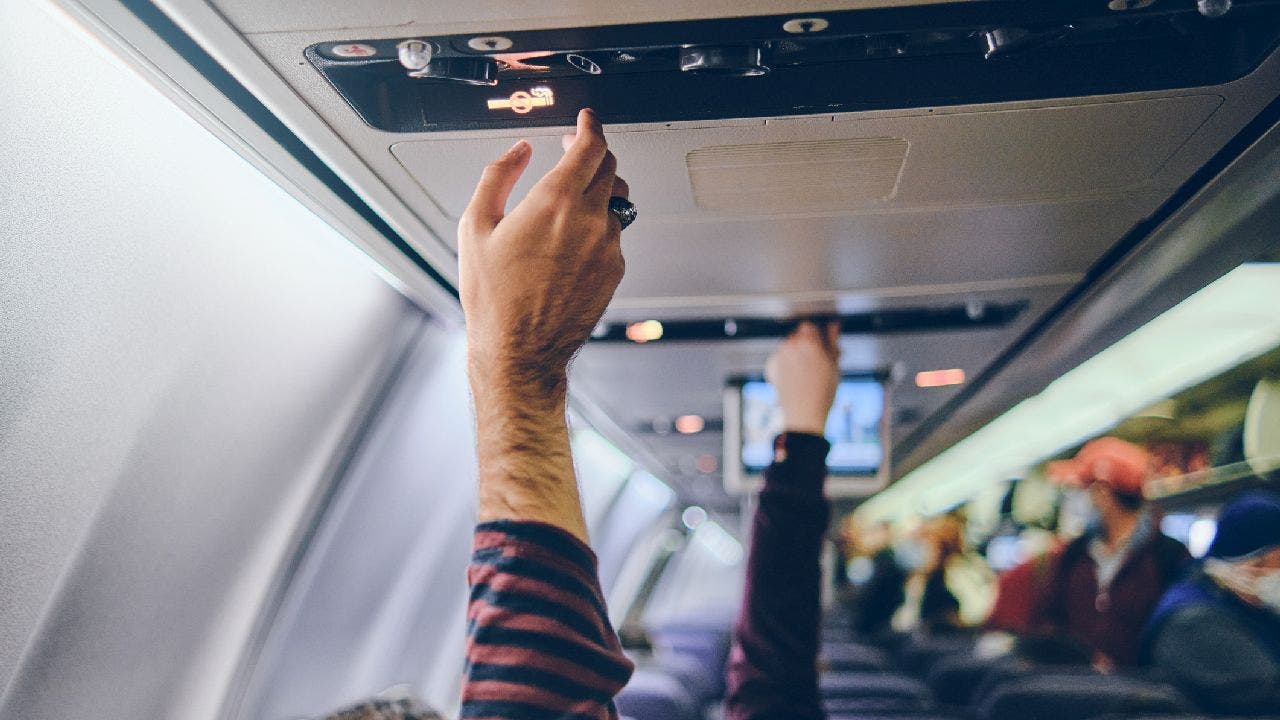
782,65
931,160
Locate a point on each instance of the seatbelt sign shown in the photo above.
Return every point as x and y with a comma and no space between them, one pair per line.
522,102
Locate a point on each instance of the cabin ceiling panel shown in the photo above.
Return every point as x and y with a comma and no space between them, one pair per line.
933,160
982,209
638,384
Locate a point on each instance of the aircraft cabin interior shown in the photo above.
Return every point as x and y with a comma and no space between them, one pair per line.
238,443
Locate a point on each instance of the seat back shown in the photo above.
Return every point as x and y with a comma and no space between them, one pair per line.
871,685
854,657
1079,697
654,695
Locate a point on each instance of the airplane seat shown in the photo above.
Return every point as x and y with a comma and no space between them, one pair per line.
889,716
963,681
956,679
654,695
919,653
704,684
854,657
874,686
705,641
1193,716
1059,696
905,708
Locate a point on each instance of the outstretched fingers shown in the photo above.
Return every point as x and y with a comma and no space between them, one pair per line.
489,202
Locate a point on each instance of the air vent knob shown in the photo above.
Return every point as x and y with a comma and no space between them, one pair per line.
743,60
415,54
471,71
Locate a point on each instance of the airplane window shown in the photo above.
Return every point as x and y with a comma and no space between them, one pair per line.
183,342
602,472
364,609
642,501
1228,326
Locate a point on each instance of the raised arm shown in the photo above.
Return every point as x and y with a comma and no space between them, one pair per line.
773,663
533,284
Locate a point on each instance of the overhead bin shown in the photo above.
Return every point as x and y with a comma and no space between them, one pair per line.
780,65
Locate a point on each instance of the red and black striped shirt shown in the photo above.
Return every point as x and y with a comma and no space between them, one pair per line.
540,645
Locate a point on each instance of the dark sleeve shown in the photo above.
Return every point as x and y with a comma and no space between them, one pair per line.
539,642
773,663
1214,659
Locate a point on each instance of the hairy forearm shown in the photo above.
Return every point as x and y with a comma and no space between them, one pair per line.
522,441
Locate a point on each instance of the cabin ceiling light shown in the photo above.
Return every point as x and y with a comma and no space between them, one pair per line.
690,424
643,332
1223,325
940,378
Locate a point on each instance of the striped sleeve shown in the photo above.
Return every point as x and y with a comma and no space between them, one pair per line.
539,642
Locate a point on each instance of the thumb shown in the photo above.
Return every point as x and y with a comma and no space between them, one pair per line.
489,202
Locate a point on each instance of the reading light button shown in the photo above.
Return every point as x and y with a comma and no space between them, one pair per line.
354,50
802,26
490,43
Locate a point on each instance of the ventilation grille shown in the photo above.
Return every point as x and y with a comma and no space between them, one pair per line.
796,176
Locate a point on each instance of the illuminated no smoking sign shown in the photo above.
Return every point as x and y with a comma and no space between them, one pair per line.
522,102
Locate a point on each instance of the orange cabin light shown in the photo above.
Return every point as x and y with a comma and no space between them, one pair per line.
643,332
940,378
690,424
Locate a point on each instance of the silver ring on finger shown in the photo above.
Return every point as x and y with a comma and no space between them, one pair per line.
623,209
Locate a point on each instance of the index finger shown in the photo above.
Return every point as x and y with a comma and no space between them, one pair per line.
582,158
833,339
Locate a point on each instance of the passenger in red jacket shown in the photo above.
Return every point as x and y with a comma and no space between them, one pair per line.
1103,586
773,662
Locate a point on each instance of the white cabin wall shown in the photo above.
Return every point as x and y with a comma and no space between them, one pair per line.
184,353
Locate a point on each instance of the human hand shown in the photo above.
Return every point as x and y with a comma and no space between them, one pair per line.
805,371
535,282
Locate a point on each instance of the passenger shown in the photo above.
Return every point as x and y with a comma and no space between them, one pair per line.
533,284
773,669
878,589
1217,635
952,588
1105,584
1017,594
386,709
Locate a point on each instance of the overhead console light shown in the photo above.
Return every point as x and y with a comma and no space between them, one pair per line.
584,63
643,332
741,61
890,320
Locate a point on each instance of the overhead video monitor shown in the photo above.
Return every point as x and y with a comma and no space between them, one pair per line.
856,428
